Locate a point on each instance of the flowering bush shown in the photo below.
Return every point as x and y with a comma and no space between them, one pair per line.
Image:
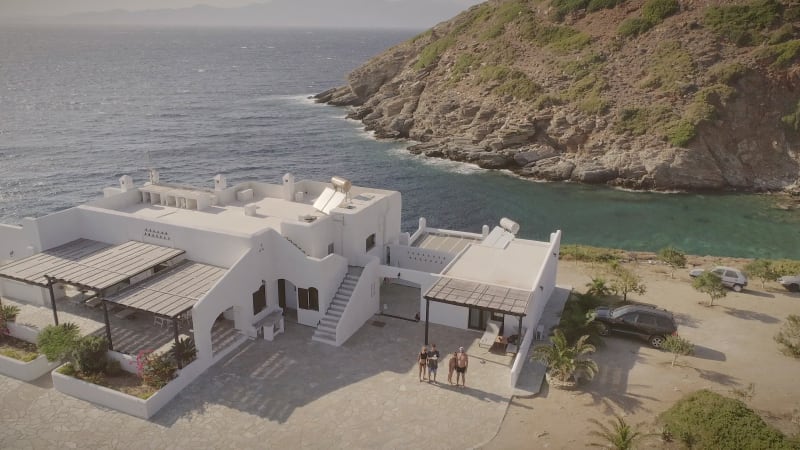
155,369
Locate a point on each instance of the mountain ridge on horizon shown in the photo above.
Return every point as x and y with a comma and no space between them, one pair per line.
408,14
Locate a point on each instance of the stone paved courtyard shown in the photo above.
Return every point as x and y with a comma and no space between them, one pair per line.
290,393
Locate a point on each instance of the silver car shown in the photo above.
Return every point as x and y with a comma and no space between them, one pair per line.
790,282
731,278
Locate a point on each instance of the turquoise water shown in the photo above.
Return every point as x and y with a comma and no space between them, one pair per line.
81,107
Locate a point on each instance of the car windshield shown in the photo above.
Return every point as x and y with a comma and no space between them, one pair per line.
622,310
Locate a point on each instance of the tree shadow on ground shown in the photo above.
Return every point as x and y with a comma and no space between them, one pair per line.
758,294
686,320
750,315
717,377
708,353
610,386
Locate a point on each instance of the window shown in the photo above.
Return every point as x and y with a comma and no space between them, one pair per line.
647,320
308,299
260,300
370,241
330,248
629,318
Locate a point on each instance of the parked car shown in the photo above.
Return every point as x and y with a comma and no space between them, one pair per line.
790,282
643,321
731,278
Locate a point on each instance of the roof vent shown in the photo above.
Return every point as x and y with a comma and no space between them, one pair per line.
509,225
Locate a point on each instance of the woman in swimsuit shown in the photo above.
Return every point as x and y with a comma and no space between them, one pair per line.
422,360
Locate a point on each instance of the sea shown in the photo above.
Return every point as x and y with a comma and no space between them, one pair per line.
80,107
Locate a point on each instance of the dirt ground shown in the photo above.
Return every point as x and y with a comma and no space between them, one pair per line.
734,347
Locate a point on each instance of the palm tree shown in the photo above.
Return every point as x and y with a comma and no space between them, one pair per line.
565,362
619,435
598,287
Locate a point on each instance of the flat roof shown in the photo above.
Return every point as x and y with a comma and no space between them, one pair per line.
479,295
172,292
444,242
515,266
89,264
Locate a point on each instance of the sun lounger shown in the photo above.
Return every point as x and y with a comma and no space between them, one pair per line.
490,335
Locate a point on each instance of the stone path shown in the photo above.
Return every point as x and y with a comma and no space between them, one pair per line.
290,393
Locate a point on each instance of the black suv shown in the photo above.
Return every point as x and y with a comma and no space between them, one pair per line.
643,321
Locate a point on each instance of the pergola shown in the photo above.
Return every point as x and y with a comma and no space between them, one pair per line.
473,294
88,265
169,295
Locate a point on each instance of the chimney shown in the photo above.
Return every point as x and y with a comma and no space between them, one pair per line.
288,187
125,183
220,184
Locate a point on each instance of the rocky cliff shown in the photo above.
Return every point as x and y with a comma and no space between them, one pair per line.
643,94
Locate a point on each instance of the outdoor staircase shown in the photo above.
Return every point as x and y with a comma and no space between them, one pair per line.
298,247
326,330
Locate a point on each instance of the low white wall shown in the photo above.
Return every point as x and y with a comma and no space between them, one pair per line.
363,303
126,362
118,200
522,355
23,332
26,371
13,243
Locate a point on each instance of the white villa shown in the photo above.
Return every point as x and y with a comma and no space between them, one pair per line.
259,254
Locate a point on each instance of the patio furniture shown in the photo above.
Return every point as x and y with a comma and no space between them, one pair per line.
491,333
125,313
161,322
500,344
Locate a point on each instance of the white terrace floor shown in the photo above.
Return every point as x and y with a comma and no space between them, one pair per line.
290,393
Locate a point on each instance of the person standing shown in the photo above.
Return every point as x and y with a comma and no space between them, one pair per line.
451,367
422,362
462,362
433,363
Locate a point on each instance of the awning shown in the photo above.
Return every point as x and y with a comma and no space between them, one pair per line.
88,264
172,293
484,296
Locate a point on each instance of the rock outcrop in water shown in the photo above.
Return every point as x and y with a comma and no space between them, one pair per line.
656,94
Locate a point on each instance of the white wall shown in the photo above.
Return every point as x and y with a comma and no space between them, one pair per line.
363,303
24,293
203,246
420,259
58,228
117,201
13,243
381,217
234,290
325,274
312,237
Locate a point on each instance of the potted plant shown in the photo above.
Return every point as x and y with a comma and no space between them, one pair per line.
8,313
566,364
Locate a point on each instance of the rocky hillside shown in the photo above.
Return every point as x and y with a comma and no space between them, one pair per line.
643,94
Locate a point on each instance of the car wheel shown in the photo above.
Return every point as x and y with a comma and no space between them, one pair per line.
602,329
737,288
657,341
794,287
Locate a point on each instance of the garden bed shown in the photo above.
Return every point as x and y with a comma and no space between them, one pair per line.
18,349
19,359
124,382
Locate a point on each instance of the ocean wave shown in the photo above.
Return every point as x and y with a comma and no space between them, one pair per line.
447,165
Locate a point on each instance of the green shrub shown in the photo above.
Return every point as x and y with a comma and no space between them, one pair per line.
597,5
184,350
669,68
68,369
634,27
655,11
782,34
588,253
586,65
512,82
672,257
9,313
726,73
506,13
58,342
681,133
743,24
633,120
431,53
464,63
783,55
706,419
547,100
593,103
789,336
562,8
90,354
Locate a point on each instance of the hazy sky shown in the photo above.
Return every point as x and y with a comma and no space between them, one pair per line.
11,8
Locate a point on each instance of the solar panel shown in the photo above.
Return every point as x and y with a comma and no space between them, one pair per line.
336,200
323,199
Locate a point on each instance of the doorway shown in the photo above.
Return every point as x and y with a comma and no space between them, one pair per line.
478,318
